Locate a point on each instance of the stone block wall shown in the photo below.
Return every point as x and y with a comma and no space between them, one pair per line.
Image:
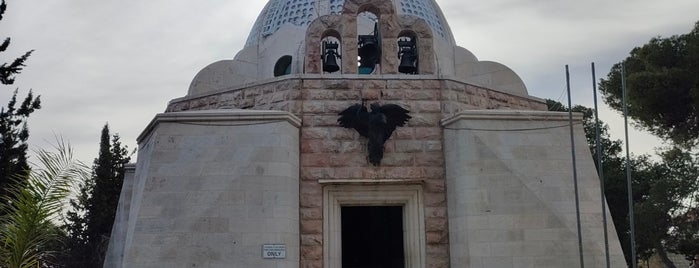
331,153
279,95
391,26
511,194
210,188
292,92
115,250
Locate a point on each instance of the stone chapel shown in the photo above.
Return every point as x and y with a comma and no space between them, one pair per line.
251,168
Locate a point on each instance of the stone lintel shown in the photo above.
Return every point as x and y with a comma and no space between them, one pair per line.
370,181
509,115
224,115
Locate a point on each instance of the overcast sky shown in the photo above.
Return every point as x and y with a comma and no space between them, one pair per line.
121,61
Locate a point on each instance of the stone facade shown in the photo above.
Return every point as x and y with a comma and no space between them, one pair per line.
480,204
391,26
511,196
210,188
329,152
247,159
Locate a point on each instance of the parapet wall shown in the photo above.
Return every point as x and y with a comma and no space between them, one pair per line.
293,92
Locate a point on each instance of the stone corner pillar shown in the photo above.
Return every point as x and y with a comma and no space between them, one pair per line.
510,192
211,189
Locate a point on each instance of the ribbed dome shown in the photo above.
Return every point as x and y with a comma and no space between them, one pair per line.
302,12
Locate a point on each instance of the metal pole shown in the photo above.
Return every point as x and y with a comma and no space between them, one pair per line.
628,169
575,172
600,170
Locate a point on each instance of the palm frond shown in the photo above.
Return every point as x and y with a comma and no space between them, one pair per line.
34,202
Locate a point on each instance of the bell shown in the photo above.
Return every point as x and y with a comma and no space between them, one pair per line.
407,56
330,57
330,62
407,63
368,51
366,62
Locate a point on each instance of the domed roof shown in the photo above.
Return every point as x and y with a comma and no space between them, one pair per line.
286,40
302,12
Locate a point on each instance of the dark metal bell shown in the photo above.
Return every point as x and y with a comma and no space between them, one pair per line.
408,56
368,51
330,63
330,57
407,64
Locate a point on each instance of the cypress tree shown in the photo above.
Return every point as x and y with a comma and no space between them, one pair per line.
90,223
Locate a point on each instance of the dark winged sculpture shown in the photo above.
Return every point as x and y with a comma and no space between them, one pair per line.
377,125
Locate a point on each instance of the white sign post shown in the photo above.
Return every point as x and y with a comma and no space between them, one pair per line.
274,251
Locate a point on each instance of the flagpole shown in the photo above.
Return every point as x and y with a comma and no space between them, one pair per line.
628,168
575,172
600,170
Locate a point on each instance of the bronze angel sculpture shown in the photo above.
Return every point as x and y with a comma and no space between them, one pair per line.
377,125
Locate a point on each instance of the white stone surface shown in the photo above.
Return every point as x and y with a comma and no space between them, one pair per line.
488,74
223,74
210,188
115,250
510,192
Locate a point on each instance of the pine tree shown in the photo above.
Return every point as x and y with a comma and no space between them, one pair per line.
13,120
13,138
662,87
90,223
7,71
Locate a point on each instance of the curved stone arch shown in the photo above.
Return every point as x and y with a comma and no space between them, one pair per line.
346,25
323,26
379,8
425,46
335,34
416,25
371,8
386,14
413,36
331,32
408,33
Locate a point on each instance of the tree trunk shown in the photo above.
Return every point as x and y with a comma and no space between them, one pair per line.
663,256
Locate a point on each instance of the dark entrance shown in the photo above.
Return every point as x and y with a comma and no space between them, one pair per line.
372,237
